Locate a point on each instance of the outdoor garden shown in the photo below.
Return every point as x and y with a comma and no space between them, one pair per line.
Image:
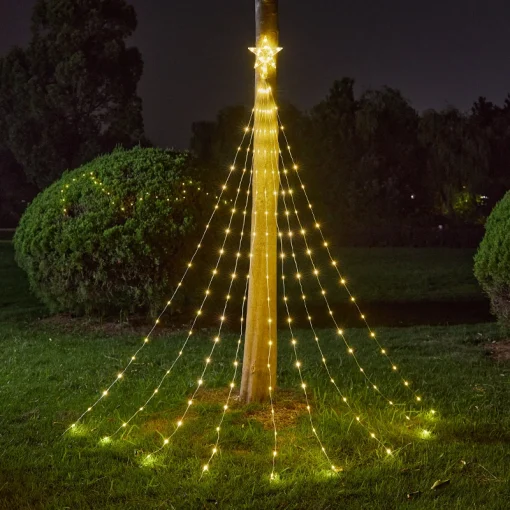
244,324
56,365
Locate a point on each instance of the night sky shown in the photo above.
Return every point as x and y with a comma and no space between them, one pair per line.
437,52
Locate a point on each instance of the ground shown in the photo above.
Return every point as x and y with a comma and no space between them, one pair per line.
53,370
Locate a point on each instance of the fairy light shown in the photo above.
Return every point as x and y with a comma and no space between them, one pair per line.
265,61
216,339
179,285
218,336
324,296
231,385
314,332
297,362
91,176
343,282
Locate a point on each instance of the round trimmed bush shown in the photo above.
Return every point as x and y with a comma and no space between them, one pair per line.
113,235
492,261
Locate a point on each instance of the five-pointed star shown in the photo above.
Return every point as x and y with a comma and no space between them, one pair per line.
265,57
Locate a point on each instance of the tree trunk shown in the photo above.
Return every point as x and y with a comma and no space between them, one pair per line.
259,362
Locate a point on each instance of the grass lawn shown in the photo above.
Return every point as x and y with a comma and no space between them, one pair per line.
400,274
382,275
49,375
49,378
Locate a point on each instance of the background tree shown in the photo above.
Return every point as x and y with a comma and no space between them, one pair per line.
457,162
215,143
15,191
387,183
72,93
333,147
492,123
391,174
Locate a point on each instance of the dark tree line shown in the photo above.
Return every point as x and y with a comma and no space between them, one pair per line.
71,94
379,165
374,161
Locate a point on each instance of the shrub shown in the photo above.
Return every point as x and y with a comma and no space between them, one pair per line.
492,261
113,235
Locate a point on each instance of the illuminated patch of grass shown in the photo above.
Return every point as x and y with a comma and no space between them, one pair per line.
46,384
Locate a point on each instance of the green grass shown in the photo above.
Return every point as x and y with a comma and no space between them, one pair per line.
49,375
397,274
383,275
48,378
16,302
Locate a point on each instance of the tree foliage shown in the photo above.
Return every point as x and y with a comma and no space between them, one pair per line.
383,166
15,191
71,94
215,143
492,261
112,235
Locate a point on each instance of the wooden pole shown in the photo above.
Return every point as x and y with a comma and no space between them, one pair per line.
259,362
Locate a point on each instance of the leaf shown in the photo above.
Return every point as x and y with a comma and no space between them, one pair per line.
440,484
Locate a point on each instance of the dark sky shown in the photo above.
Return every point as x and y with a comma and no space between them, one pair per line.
438,52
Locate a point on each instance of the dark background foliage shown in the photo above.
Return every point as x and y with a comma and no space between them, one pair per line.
391,174
394,176
71,94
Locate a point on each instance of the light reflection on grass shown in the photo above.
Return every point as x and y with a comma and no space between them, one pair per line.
149,461
78,430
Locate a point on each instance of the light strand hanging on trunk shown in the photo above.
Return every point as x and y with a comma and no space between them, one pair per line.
343,282
199,312
120,375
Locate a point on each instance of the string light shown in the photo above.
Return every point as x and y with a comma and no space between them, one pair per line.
217,338
297,362
91,176
372,334
179,285
266,125
314,332
231,385
204,299
350,350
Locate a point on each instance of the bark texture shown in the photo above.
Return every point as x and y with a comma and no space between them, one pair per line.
260,347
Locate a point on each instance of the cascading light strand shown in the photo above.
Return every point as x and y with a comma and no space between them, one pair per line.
268,133
232,384
360,420
146,339
215,448
217,337
298,364
199,312
342,280
339,330
270,342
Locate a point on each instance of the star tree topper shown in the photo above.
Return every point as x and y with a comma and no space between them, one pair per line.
265,54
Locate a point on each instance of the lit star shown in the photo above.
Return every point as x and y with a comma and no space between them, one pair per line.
265,57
